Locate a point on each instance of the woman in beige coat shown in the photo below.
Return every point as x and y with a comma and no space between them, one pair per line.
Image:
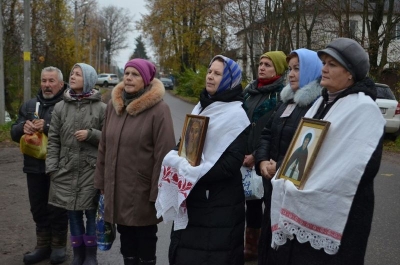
137,134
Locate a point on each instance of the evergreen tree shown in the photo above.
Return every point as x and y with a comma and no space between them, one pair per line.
140,50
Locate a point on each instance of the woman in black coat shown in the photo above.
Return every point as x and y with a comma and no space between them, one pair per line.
206,202
297,97
329,220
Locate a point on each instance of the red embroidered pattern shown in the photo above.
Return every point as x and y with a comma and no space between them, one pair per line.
171,176
310,226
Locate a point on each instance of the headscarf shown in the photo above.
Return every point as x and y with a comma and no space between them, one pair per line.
232,75
89,77
310,66
279,60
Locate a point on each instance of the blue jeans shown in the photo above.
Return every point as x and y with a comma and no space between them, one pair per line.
76,224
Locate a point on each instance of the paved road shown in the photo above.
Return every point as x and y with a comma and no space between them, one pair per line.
383,247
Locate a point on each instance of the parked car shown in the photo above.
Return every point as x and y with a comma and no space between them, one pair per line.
106,79
390,108
168,83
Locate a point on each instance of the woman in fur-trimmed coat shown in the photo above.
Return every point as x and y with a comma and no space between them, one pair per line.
297,97
137,134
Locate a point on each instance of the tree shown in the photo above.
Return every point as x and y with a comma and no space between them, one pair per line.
116,23
140,50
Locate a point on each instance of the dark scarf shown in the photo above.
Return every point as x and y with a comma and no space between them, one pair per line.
234,94
128,98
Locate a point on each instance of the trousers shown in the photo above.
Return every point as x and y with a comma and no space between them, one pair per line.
45,216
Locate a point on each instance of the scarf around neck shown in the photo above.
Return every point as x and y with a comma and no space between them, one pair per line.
178,177
318,213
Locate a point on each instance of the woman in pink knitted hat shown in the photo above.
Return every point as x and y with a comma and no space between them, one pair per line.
137,134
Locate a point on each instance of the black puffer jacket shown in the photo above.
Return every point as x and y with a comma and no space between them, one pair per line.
26,112
259,104
274,142
214,234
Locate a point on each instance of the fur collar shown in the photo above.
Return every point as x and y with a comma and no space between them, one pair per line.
154,94
304,96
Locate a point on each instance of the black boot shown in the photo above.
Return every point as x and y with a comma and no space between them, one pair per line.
79,255
130,261
42,250
58,244
147,262
79,250
91,256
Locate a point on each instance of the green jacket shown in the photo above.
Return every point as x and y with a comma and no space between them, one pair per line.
69,162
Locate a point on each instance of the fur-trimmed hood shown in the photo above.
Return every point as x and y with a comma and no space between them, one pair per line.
304,96
154,93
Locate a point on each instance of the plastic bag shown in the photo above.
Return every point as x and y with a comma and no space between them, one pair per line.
252,184
34,145
105,232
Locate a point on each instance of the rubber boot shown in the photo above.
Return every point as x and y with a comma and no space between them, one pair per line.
91,250
251,244
147,262
42,250
130,261
58,246
78,249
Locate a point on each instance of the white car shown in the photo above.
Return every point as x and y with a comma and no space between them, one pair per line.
389,106
104,80
7,117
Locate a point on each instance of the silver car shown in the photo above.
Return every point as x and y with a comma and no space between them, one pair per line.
105,79
389,106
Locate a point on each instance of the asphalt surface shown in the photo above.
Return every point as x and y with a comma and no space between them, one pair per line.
17,230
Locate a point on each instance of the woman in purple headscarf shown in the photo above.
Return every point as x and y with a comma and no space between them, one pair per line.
137,134
206,202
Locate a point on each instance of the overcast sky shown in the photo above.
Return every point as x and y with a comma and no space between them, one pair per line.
136,8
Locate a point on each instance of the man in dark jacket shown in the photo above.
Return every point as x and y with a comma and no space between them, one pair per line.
51,222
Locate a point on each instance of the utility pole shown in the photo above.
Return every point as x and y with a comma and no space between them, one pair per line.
76,31
27,50
2,89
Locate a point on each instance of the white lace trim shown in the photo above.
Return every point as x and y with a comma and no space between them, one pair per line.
287,229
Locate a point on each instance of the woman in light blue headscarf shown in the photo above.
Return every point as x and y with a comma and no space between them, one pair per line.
297,97
206,202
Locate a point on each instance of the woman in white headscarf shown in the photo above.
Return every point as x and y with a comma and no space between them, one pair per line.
206,202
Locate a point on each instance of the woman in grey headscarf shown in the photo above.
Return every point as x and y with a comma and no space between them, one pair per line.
74,136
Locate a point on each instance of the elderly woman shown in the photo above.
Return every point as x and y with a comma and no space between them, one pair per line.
329,220
206,202
137,134
261,97
74,137
297,97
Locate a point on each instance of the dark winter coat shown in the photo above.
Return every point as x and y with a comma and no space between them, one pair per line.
259,104
26,112
274,142
70,162
134,141
214,235
356,232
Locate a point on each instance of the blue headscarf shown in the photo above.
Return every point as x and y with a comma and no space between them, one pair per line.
310,66
232,74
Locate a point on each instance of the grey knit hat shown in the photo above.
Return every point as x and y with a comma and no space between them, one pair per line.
350,54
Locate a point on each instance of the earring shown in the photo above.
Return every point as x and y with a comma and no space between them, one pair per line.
350,78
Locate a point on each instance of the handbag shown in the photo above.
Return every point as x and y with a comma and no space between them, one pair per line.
34,145
105,231
252,184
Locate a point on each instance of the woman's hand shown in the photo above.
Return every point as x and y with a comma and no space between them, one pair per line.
271,168
81,135
268,168
248,161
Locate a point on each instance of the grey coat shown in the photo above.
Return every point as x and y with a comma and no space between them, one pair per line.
70,162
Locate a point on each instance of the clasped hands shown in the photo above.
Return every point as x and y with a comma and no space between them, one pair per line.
268,168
